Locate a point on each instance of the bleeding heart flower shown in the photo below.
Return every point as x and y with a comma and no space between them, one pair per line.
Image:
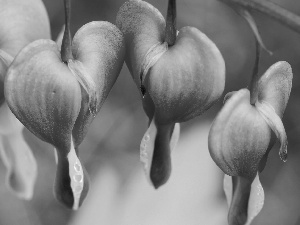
57,95
180,76
240,137
21,23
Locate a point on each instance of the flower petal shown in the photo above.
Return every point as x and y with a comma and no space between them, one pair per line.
152,56
71,181
42,92
60,37
274,121
87,83
239,137
143,27
255,198
275,86
155,149
16,155
5,60
188,78
98,49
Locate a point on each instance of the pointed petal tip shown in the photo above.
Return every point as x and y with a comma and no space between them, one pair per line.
275,123
283,155
158,182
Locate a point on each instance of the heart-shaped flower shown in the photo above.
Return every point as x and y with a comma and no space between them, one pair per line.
180,76
57,99
240,137
21,23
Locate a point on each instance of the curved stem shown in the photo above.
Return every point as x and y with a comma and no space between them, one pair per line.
170,32
66,50
270,9
255,77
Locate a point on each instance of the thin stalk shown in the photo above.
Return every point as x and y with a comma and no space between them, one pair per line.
254,80
170,32
270,9
66,50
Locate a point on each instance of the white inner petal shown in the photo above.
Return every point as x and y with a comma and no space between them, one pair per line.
76,176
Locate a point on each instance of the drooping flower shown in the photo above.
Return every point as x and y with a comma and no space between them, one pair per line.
241,137
180,77
56,94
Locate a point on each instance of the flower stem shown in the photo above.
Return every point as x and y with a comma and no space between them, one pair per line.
66,50
170,32
254,81
270,9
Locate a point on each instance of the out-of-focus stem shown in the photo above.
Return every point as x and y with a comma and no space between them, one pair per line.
270,9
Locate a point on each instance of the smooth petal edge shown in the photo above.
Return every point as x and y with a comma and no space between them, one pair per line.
148,143
275,123
6,58
175,136
87,83
152,56
256,199
60,37
98,25
147,149
283,68
216,129
133,6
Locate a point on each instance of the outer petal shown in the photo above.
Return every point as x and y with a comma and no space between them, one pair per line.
43,94
188,79
98,49
155,150
274,87
239,137
143,27
5,61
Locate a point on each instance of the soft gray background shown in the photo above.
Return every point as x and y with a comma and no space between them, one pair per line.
120,194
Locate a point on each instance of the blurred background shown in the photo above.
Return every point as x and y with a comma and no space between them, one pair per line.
120,194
